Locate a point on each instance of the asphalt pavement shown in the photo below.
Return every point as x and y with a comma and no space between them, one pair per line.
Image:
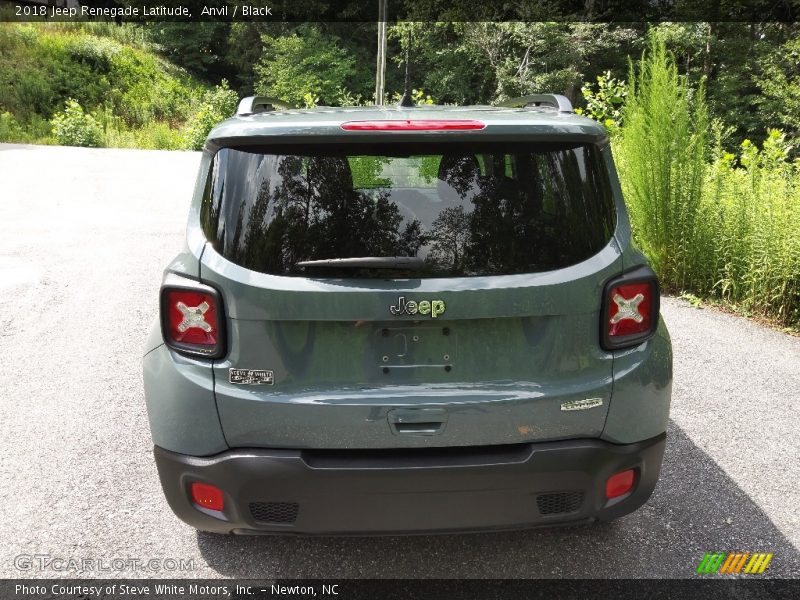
84,236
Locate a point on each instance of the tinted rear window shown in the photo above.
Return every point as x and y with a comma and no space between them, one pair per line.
493,209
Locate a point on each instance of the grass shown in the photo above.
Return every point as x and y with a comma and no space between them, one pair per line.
662,156
723,227
139,99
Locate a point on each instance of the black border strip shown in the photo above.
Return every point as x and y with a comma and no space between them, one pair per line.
706,588
594,11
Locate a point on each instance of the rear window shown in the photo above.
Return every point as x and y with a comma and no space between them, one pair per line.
457,210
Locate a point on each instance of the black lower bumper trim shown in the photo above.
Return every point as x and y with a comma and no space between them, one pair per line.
410,491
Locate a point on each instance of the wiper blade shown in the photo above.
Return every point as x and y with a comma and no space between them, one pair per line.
367,262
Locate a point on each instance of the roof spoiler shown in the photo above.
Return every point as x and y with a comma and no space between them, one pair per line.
258,104
557,101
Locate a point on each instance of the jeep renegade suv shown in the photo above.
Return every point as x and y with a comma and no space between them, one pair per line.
419,319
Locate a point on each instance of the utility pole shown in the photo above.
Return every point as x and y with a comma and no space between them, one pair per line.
380,73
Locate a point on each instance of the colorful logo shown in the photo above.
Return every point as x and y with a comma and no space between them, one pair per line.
734,562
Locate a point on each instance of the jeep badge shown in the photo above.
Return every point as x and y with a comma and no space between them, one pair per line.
434,308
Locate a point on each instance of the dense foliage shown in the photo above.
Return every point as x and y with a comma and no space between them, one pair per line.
308,62
704,120
661,153
751,70
217,104
750,232
98,85
715,224
73,127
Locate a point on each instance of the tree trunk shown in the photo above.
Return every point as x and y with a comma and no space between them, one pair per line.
707,63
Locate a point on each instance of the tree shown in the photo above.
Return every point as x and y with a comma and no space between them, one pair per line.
780,84
200,48
747,68
442,63
469,63
218,104
307,61
73,127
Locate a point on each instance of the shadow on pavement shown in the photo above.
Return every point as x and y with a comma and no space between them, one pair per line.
696,508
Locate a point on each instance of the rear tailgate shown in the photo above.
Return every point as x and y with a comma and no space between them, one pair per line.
496,367
486,341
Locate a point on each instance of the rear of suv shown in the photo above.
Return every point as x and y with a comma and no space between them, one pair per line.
419,319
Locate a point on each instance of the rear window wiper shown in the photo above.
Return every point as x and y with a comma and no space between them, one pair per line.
367,262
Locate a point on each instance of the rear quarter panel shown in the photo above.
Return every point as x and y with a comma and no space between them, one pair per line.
181,407
642,390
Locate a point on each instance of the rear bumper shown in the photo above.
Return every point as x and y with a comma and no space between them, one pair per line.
410,490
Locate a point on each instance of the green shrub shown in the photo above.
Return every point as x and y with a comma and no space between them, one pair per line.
132,34
36,130
97,53
159,136
714,224
218,104
605,105
309,63
43,65
10,130
121,138
752,213
662,153
74,127
144,91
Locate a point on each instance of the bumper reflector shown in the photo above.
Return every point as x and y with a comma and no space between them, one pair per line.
619,484
207,496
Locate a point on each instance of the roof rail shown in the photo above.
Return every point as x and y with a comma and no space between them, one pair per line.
557,101
258,104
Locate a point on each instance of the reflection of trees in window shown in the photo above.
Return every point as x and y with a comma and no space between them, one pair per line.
578,202
306,209
502,212
458,179
458,176
448,237
550,214
506,235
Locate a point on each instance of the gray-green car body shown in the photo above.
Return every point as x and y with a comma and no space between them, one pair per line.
404,403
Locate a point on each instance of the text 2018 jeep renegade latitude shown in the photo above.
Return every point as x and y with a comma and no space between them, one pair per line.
420,319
